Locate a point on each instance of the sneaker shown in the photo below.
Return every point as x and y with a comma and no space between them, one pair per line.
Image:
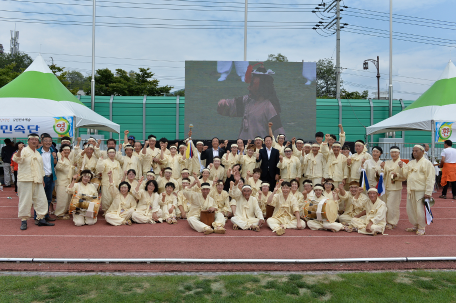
23,225
43,222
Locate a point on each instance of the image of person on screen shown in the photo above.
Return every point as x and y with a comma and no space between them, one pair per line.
224,69
258,108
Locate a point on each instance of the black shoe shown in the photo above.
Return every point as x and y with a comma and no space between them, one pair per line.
43,222
49,219
24,225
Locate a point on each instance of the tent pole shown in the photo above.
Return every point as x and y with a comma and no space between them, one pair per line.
433,141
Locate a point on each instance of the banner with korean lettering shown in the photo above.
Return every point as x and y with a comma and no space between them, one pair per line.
444,131
21,127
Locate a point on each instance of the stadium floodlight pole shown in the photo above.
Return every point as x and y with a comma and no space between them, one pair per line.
377,65
245,28
93,56
390,88
338,50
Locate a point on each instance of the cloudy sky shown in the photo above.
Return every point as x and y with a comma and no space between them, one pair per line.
162,34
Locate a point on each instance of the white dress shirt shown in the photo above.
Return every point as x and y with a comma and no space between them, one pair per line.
269,152
47,162
215,152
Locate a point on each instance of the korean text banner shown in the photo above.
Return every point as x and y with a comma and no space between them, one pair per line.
238,99
444,131
20,127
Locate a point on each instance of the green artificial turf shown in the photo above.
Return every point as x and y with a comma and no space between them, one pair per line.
418,286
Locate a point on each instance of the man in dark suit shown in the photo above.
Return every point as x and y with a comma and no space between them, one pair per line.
214,151
269,158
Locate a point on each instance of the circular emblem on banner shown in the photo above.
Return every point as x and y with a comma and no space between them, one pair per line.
445,131
61,126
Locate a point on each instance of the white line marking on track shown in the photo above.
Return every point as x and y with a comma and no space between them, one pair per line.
221,237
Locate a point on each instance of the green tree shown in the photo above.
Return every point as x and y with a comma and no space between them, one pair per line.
21,61
326,79
353,95
277,58
7,74
180,92
61,74
124,83
77,81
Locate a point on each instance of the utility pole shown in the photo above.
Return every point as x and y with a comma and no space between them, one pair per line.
14,43
377,65
245,28
338,50
93,56
390,88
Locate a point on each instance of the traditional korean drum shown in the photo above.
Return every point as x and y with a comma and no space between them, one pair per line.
325,210
269,211
84,205
207,217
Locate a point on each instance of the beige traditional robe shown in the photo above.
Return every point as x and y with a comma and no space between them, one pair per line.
284,213
324,224
373,169
393,191
356,161
147,162
263,201
197,189
132,162
84,162
64,171
81,189
256,186
121,209
182,201
353,206
299,198
179,181
162,184
147,205
176,163
290,168
316,166
170,201
232,160
276,145
221,201
217,173
30,184
336,168
103,167
247,213
310,197
248,164
198,203
375,213
420,181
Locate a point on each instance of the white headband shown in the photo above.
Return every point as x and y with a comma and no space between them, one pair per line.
395,150
419,146
318,187
246,187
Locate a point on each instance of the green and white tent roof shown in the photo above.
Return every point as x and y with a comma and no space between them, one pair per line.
437,104
38,93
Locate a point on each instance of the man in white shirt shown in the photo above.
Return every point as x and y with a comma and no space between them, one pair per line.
448,165
49,156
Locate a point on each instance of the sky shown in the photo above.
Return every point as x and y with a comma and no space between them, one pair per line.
162,34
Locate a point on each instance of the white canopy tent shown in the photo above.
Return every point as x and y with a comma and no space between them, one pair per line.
38,93
437,104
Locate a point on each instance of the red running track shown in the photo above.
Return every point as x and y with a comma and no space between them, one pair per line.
179,241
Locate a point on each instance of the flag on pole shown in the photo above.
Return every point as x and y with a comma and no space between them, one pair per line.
363,180
189,152
428,212
381,185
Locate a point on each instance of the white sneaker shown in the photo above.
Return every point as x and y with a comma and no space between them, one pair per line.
222,77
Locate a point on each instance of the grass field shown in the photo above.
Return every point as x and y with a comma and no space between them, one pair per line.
419,286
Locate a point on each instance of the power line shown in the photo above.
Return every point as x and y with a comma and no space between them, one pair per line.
366,71
364,76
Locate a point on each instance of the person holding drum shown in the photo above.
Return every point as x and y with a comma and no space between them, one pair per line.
308,194
247,212
325,219
168,204
104,166
354,202
263,197
123,204
373,220
79,188
221,199
202,202
148,208
286,209
393,187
